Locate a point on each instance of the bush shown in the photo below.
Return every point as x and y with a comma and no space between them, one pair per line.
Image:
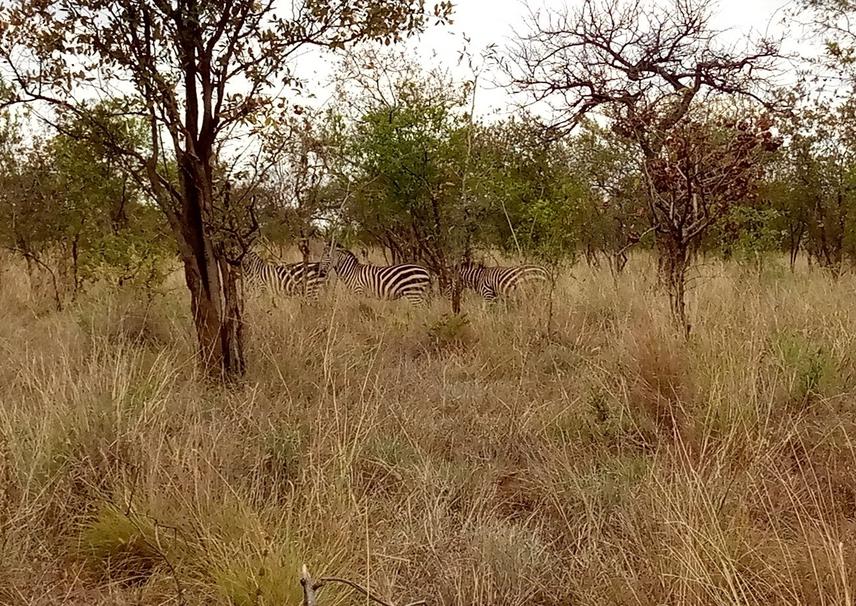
121,545
452,332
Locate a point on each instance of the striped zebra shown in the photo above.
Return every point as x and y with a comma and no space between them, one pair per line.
493,282
403,281
289,279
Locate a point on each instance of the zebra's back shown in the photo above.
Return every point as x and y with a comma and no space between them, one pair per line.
504,281
297,279
405,281
288,279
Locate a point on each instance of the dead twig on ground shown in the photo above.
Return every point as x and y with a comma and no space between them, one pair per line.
311,588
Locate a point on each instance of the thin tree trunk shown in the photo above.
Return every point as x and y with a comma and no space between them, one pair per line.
674,262
33,259
303,246
456,291
591,256
75,267
233,328
617,262
796,238
793,252
30,272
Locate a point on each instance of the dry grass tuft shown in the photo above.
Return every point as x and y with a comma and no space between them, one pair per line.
660,390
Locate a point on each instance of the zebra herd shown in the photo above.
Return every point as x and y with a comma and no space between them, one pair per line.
402,281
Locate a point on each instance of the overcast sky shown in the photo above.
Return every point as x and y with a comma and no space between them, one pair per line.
492,21
487,22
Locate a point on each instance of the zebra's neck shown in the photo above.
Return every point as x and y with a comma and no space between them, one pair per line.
347,266
471,275
252,263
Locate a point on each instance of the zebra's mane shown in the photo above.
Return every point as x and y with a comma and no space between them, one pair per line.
344,254
472,265
252,255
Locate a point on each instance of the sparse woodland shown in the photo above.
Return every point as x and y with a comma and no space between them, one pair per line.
669,421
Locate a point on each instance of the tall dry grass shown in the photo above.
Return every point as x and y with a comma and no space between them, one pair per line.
600,460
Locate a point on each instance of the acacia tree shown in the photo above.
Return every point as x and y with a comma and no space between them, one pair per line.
69,210
829,135
405,144
647,67
107,224
530,191
789,206
203,70
704,167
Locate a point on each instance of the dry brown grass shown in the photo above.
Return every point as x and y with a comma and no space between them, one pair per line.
605,461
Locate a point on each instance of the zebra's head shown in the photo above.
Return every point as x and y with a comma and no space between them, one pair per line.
251,260
468,272
337,257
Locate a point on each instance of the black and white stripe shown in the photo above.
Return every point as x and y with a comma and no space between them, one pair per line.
493,282
289,279
403,281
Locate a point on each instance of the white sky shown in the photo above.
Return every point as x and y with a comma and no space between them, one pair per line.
487,22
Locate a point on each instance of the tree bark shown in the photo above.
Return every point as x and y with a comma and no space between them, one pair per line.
75,267
674,260
215,299
591,256
456,292
794,242
617,262
217,308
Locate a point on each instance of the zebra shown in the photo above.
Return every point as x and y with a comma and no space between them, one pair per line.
404,281
493,282
290,279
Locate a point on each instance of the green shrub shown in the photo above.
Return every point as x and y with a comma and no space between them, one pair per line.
451,331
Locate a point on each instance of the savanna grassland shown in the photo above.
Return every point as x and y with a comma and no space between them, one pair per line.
600,459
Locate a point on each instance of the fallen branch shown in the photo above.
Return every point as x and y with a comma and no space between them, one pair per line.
308,587
311,588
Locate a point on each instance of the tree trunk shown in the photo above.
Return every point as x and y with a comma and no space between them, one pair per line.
217,308
303,247
662,271
617,262
795,242
215,299
75,267
793,252
30,273
456,292
591,256
674,260
233,327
